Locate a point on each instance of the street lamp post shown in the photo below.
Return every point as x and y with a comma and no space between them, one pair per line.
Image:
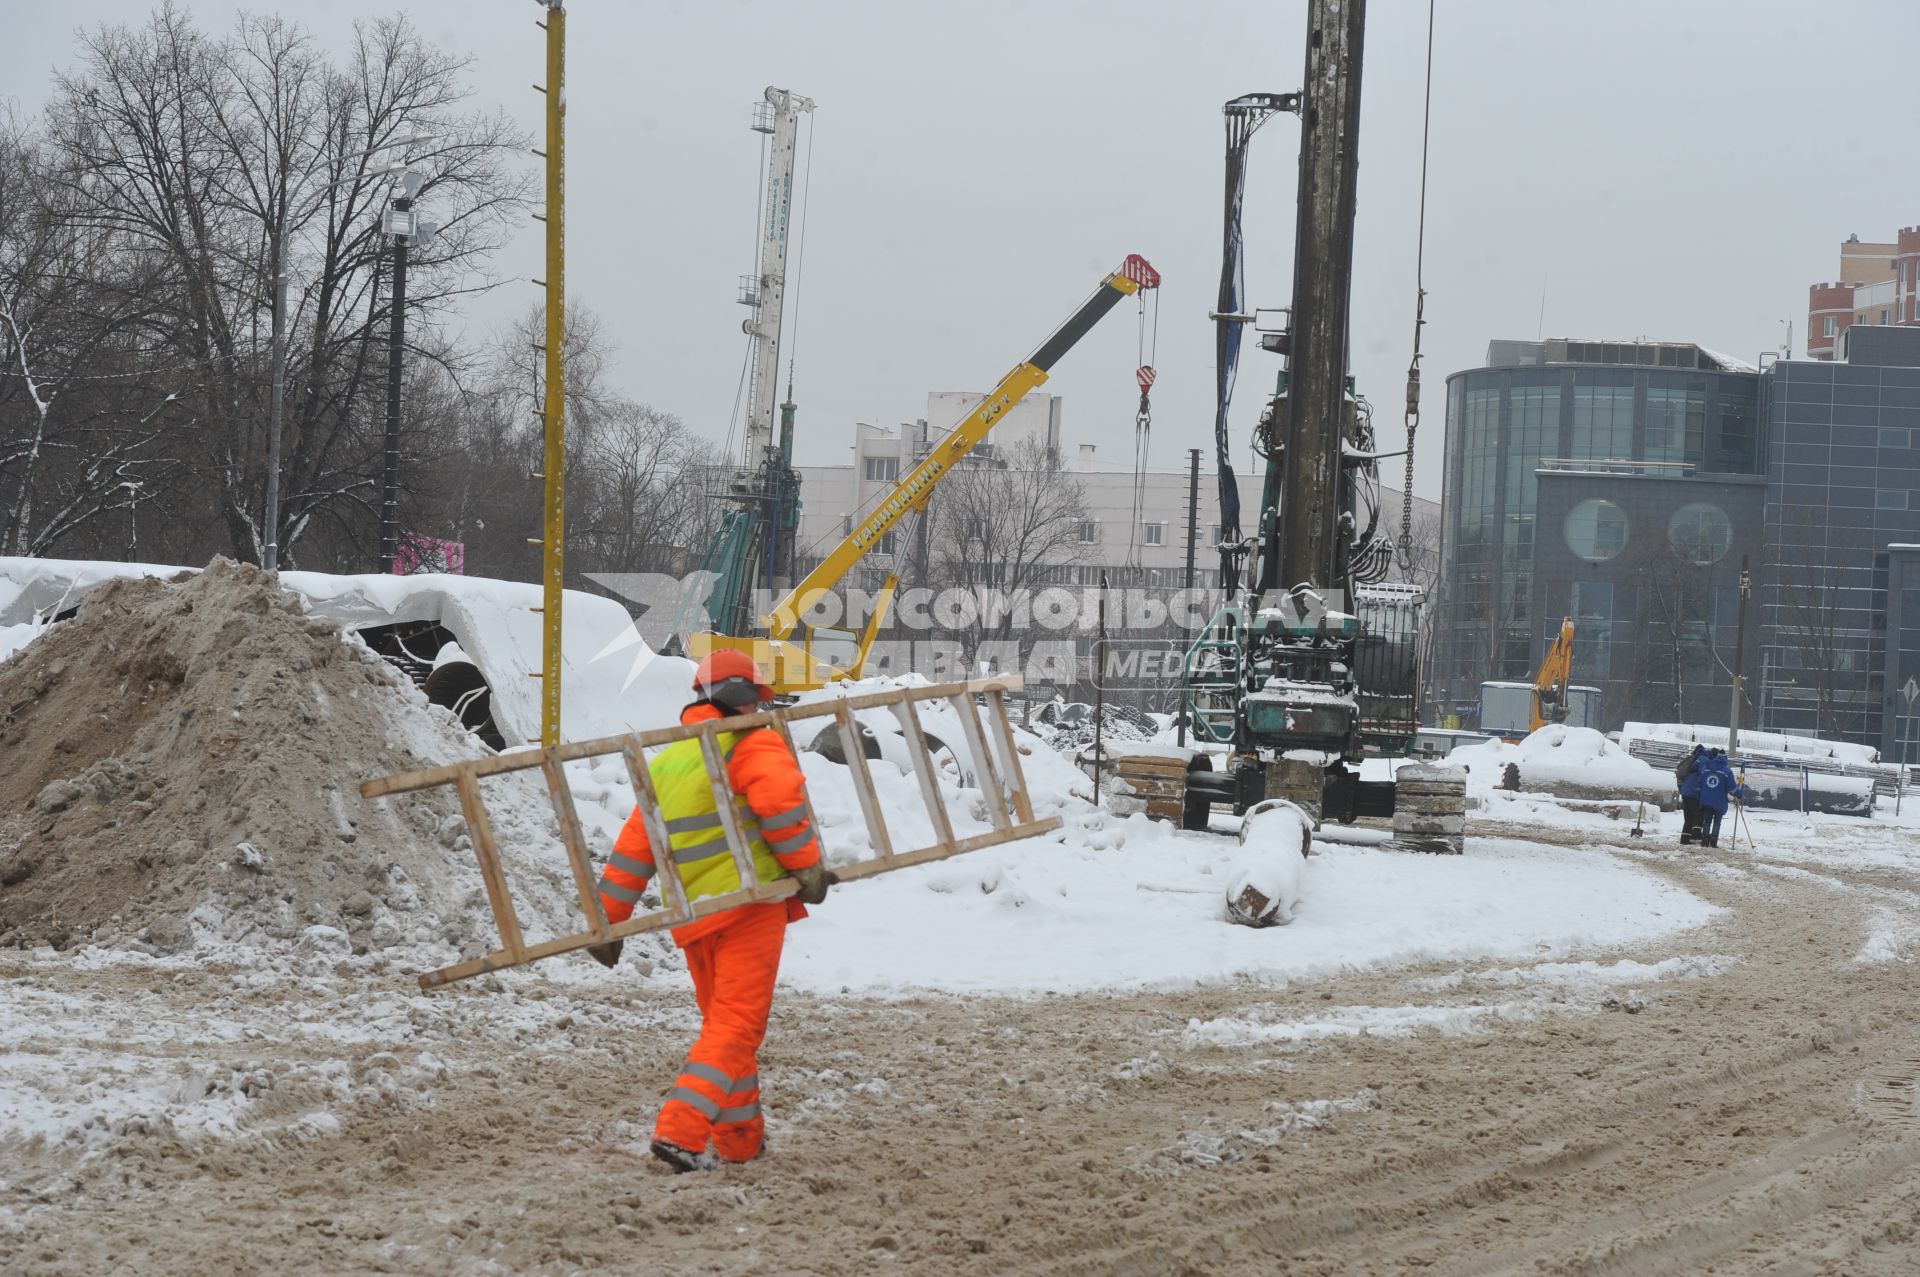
270,544
407,230
270,550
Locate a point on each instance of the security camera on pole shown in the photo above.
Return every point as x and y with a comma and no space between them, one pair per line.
409,230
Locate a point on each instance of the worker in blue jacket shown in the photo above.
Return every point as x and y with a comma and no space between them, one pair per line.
1716,786
1690,813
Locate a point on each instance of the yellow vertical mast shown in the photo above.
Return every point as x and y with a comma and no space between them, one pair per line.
553,536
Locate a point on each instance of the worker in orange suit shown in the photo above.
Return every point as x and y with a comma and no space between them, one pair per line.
734,955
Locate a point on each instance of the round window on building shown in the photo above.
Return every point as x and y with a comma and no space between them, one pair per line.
1700,533
1596,530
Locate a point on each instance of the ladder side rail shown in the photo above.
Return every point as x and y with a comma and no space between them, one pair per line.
575,842
499,764
1010,754
852,746
491,871
984,769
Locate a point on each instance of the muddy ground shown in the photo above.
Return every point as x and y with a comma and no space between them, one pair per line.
1757,1119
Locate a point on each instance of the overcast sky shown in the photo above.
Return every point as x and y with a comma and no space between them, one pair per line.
1674,169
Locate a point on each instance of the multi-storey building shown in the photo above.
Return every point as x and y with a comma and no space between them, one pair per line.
1609,482
1624,485
1840,628
1134,532
1879,284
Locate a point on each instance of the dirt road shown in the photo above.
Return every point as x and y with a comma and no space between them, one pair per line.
1748,1107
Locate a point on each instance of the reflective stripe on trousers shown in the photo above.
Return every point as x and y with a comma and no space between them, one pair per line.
717,1095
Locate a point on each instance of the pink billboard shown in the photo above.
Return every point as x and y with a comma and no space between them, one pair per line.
416,554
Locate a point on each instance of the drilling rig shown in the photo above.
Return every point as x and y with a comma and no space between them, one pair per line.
1313,667
754,546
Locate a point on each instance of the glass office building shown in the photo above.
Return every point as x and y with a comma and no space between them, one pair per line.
1841,625
1617,483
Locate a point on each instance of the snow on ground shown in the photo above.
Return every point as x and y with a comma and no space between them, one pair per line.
1560,755
1147,911
1218,1143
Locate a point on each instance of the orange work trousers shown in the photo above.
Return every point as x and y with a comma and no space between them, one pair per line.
717,1095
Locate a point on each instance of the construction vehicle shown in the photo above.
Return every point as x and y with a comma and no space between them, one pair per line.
1315,665
754,544
800,658
1512,710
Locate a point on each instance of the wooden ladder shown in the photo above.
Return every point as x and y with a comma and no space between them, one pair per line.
996,766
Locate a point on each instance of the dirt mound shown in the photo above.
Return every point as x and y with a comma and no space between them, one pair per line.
183,761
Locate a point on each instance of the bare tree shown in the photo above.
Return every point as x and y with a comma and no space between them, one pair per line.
68,455
1675,652
631,464
204,167
999,528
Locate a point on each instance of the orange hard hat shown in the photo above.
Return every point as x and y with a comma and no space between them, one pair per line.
722,664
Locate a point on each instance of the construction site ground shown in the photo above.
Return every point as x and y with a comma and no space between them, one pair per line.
1739,1098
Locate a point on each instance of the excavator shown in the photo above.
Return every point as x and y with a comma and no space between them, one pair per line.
1548,699
800,658
1550,684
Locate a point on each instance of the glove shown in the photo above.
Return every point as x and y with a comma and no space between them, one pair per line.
814,881
606,954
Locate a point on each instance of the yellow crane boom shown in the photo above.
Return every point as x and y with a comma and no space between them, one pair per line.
1550,684
794,666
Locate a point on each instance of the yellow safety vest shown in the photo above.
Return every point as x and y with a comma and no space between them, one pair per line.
697,840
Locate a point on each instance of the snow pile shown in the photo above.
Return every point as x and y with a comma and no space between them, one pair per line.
1575,762
191,753
185,760
1265,882
612,682
1751,742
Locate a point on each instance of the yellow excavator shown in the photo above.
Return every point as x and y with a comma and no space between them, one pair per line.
1550,684
787,652
1512,710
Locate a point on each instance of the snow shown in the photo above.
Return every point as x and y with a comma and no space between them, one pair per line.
612,682
1110,904
1558,754
1211,1146
1272,860
1340,1022
1729,363
1750,742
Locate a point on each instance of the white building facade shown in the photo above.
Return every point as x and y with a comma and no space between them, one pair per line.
1129,525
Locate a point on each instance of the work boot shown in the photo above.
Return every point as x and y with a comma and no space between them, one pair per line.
680,1159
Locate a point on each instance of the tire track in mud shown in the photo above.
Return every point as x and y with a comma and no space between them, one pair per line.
1764,1113
1637,1133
